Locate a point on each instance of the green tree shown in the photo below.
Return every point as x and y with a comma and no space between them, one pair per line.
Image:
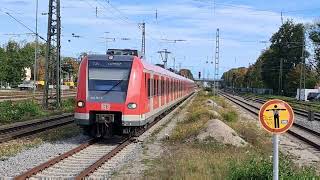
253,76
70,68
27,54
14,69
314,35
286,46
3,59
236,77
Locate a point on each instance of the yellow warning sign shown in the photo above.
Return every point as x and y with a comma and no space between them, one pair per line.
276,116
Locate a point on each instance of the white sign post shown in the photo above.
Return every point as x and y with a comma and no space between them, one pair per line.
276,117
275,156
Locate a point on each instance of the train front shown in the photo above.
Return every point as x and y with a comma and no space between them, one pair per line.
102,89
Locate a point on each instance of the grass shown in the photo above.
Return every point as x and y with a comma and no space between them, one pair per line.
19,111
58,134
229,116
12,148
197,117
189,159
11,112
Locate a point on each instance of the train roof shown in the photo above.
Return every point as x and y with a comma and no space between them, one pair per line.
103,57
163,71
145,64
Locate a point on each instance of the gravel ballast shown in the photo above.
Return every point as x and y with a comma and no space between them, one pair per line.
30,158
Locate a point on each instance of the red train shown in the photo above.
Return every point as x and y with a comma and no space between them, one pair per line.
119,93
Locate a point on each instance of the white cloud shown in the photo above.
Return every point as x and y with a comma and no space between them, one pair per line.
189,20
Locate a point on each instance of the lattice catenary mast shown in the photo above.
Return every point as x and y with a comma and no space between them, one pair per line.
143,40
53,64
216,64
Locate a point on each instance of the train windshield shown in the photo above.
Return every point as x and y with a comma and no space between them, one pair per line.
108,80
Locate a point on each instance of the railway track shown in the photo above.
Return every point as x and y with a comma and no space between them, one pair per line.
21,129
296,110
89,159
38,97
305,134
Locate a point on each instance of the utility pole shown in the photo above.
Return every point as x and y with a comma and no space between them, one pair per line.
280,77
302,69
143,40
281,65
35,52
53,63
174,64
106,37
216,64
165,59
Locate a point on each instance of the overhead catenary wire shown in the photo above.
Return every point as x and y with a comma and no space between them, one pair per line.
22,24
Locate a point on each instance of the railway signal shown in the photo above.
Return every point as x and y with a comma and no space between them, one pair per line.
276,117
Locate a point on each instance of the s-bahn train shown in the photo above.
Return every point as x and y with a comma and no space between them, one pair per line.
119,93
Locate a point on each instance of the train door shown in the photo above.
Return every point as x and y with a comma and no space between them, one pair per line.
169,90
159,91
173,89
162,92
155,92
150,92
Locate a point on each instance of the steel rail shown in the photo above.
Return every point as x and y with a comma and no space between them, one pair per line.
297,110
245,105
103,159
21,129
53,161
111,154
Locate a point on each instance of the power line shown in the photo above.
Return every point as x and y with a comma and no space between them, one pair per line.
21,23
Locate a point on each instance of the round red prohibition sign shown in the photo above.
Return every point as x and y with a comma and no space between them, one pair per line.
276,116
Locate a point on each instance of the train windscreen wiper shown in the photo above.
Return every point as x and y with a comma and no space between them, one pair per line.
114,86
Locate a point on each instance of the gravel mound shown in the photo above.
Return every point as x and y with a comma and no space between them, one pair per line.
215,113
212,104
222,133
27,159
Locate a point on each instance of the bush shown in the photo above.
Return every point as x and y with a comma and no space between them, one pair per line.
262,168
208,89
230,116
10,111
68,104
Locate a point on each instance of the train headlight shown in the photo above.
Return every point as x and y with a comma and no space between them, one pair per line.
132,105
80,104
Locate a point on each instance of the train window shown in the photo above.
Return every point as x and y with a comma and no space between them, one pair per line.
162,87
168,86
172,86
145,82
154,87
149,86
159,87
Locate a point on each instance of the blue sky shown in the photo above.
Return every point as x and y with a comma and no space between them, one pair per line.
243,25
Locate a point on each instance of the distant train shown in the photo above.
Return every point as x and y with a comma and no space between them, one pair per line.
119,93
